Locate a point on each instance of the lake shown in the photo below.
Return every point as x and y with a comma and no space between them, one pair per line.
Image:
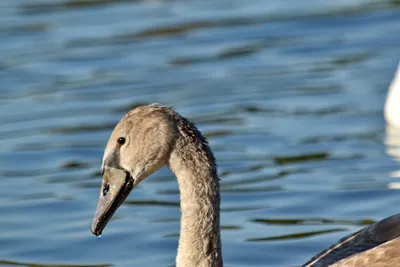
290,95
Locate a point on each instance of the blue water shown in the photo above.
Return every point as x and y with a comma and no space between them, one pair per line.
289,93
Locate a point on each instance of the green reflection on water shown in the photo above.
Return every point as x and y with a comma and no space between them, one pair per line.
151,203
313,221
301,158
73,4
15,263
296,235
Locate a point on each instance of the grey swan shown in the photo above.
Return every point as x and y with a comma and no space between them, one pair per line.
151,136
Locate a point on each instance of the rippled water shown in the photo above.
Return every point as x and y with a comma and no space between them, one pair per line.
289,93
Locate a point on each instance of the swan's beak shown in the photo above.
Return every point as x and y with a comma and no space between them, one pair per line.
116,186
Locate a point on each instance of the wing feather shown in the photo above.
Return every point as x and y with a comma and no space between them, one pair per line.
372,239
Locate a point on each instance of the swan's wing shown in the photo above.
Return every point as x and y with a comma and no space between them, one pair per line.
385,255
364,240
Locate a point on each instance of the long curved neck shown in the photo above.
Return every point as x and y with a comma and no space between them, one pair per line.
194,166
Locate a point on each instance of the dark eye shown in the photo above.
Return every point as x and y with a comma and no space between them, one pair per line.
121,140
105,189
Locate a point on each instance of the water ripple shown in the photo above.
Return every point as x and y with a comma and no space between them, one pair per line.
289,95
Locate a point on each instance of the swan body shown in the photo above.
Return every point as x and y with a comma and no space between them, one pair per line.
392,105
377,245
149,137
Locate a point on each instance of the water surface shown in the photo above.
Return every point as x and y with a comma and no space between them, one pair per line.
290,95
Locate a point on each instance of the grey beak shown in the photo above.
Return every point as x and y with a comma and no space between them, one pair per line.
115,188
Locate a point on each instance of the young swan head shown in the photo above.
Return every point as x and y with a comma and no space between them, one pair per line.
140,144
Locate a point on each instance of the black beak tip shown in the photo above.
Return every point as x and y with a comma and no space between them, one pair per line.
96,232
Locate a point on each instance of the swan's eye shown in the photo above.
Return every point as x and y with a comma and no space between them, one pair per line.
121,141
105,189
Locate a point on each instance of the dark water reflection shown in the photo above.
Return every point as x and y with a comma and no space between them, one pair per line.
290,95
13,263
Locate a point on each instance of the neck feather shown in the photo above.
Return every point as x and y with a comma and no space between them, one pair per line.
193,164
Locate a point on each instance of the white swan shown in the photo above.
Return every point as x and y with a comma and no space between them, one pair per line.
149,137
392,105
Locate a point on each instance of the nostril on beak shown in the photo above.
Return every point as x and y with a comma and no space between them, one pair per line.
105,189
